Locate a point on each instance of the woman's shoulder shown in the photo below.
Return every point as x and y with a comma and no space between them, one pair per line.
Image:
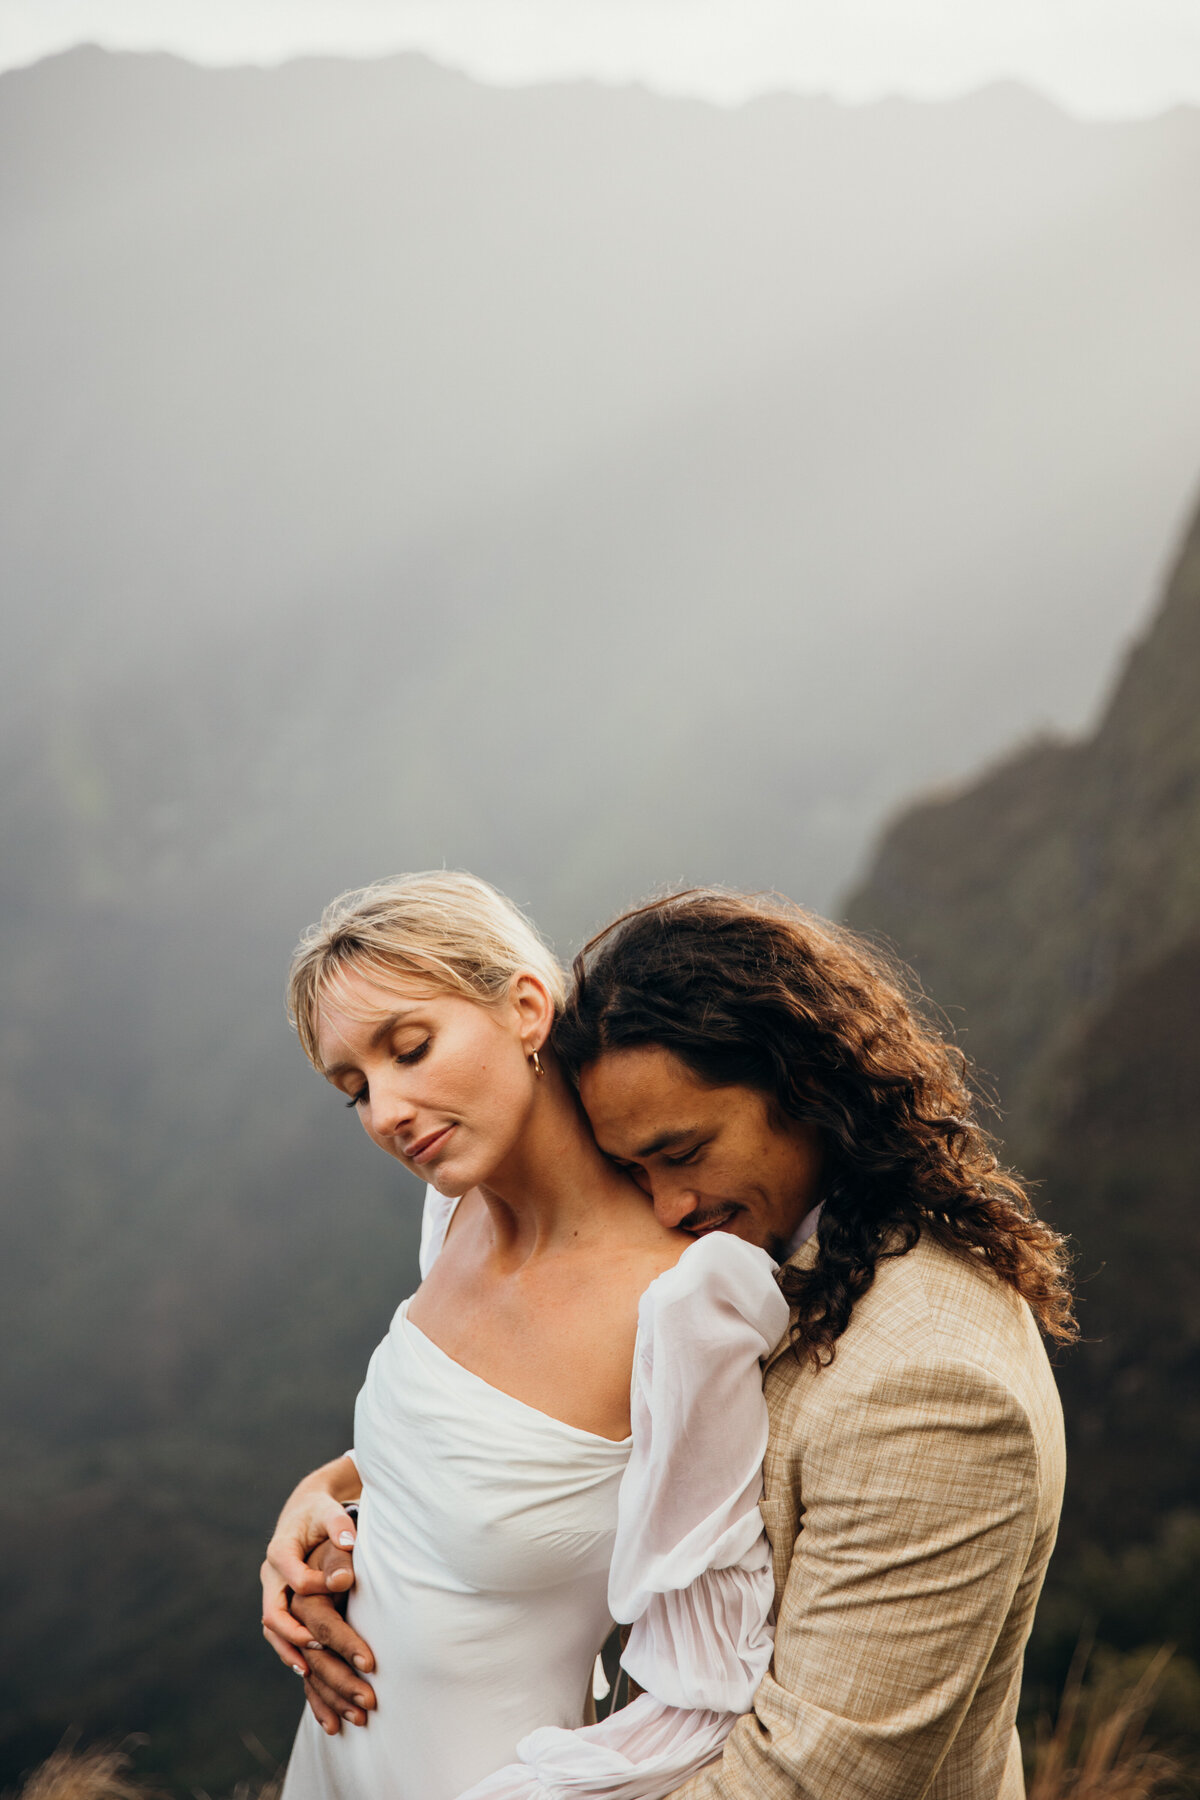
627,1251
676,1265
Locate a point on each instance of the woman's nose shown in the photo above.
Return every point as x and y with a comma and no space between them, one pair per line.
391,1111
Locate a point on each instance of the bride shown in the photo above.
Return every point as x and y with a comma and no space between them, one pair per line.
564,1426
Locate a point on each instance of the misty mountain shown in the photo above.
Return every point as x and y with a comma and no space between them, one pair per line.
591,489
1036,900
771,461
1052,907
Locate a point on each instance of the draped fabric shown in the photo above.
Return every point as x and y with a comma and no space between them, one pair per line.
497,1545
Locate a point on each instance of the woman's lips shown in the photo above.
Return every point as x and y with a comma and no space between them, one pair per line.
424,1148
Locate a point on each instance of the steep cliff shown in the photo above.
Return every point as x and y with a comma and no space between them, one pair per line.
1053,910
1030,898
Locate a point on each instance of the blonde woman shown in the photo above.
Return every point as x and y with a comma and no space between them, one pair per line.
564,1425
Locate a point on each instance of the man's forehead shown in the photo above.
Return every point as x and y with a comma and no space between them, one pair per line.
621,1080
642,1094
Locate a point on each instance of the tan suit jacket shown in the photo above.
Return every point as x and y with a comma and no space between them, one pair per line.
911,1495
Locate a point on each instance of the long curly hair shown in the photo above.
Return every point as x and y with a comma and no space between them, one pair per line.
751,990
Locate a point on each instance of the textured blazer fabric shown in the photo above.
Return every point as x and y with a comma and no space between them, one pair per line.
912,1493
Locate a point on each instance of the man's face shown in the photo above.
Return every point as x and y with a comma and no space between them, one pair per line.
711,1158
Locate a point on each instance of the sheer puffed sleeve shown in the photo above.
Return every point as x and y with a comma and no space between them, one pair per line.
691,1572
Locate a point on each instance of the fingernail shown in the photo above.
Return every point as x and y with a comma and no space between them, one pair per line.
360,1662
348,1715
312,1644
361,1700
346,1539
299,1669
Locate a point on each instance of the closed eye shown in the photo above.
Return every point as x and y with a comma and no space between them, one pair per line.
357,1099
681,1162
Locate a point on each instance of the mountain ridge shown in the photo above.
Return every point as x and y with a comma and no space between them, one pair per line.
1102,833
1052,909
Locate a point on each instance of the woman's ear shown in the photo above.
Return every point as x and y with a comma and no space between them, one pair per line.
534,1006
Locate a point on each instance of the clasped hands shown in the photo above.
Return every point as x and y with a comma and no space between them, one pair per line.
307,1572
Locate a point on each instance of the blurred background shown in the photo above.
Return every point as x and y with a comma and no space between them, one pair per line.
600,463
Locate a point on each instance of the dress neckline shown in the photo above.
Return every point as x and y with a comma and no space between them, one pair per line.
469,1376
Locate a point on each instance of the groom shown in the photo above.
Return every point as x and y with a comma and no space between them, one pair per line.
760,1072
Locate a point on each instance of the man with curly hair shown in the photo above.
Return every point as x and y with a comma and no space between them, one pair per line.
762,1072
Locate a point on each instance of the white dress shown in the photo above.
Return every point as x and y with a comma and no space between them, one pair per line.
496,1546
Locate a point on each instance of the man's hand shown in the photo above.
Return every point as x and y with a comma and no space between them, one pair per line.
335,1655
314,1515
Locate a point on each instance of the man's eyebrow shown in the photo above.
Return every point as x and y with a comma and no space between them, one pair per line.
667,1140
330,1070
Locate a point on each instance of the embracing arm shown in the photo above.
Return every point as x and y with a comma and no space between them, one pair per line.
921,1498
690,1571
313,1511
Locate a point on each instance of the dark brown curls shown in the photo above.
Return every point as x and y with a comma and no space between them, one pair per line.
751,990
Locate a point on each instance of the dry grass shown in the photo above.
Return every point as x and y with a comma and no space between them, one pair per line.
1097,1748
85,1775
104,1775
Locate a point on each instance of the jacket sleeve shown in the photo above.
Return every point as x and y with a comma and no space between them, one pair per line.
920,1498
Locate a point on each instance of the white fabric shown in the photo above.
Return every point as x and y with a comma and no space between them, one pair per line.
496,1544
804,1230
690,1548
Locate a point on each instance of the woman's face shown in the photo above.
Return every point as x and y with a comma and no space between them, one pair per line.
441,1083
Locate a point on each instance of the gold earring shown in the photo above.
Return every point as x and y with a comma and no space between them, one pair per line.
536,1060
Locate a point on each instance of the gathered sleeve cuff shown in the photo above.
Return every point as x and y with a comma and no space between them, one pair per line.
691,1571
643,1752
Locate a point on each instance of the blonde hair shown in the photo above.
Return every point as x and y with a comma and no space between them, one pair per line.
444,926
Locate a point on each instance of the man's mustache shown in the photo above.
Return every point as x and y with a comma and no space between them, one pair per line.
701,1220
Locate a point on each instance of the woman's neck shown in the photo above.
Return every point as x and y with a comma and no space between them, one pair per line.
556,1186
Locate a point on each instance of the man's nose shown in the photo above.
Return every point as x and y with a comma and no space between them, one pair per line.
672,1202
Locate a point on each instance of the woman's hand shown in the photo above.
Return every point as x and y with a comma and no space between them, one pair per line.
314,1513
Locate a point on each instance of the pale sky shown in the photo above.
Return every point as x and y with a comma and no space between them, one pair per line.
1096,58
